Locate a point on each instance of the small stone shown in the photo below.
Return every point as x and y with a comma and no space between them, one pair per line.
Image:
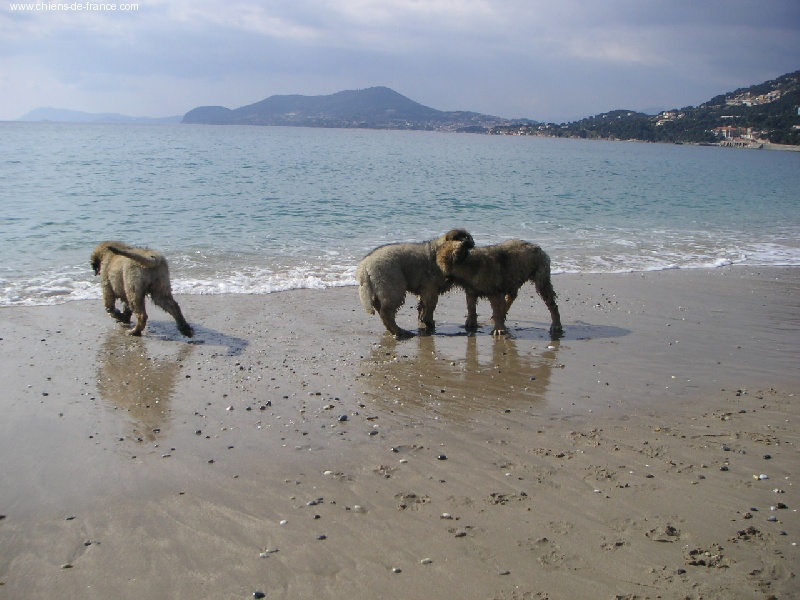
723,468
442,457
259,595
772,518
396,570
767,456
66,566
373,432
322,537
342,418
426,561
504,572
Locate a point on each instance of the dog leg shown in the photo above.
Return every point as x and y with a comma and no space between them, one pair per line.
141,317
125,315
110,302
556,330
425,309
141,322
170,306
544,287
510,297
472,312
499,310
388,318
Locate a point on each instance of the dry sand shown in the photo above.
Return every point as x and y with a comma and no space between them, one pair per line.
293,448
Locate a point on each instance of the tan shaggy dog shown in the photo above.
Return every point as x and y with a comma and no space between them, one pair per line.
497,273
388,272
129,274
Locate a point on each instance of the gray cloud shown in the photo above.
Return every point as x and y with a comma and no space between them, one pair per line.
515,58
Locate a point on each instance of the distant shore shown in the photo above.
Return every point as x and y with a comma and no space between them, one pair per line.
293,448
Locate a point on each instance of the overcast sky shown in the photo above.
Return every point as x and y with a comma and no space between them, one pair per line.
548,60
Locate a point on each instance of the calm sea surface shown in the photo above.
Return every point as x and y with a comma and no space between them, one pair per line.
261,209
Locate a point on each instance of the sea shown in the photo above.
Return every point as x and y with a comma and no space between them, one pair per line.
256,210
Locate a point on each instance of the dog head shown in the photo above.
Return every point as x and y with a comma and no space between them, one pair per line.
99,255
451,253
460,235
97,259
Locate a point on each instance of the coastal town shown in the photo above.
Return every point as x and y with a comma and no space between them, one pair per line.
766,115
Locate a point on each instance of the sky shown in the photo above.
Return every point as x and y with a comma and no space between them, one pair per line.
547,60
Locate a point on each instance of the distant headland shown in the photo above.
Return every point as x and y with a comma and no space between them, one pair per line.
763,115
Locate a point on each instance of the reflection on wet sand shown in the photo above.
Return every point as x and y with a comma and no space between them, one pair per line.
132,378
457,373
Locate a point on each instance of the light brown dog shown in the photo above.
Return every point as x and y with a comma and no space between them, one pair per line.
497,273
129,274
388,272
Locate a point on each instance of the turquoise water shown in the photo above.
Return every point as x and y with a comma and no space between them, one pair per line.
261,209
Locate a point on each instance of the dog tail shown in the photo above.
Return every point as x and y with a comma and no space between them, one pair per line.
541,276
146,258
369,300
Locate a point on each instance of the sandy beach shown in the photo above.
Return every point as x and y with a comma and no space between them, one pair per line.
294,449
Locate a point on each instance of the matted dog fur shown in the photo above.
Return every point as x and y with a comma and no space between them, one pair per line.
388,272
129,274
497,273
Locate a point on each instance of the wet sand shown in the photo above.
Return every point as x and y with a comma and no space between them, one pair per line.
295,449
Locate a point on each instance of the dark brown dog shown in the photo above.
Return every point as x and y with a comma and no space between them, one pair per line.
129,274
497,273
388,272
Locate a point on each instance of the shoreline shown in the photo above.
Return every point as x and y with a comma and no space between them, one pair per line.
294,448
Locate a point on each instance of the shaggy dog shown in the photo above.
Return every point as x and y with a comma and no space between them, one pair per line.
129,274
497,273
388,272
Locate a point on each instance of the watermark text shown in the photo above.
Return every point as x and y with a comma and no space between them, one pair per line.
71,7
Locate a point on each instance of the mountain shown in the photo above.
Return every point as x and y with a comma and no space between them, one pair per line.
748,117
63,115
374,108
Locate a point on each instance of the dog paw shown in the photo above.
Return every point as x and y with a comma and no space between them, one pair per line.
500,331
403,334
